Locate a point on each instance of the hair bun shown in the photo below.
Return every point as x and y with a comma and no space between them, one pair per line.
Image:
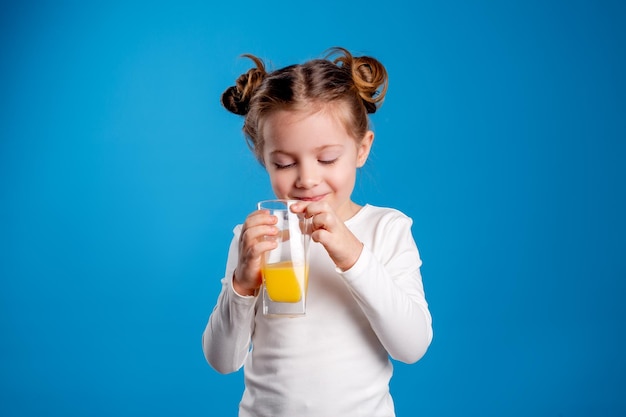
368,74
236,99
370,78
232,100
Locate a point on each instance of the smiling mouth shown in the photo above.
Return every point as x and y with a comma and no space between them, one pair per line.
315,198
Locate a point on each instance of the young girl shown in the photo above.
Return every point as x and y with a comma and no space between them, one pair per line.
308,125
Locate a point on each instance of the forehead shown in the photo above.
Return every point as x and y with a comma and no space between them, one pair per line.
320,126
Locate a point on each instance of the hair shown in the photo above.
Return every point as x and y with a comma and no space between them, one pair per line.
355,86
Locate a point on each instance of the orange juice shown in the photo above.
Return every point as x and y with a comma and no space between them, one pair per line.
283,281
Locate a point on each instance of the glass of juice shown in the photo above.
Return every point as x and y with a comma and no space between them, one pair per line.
286,269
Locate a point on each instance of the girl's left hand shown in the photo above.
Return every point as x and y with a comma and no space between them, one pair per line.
343,247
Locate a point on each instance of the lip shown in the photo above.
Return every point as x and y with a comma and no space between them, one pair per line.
310,198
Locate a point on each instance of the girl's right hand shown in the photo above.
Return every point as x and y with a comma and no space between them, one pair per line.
252,245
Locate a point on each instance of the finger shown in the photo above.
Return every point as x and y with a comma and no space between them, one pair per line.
252,235
322,236
306,207
259,248
260,217
324,220
299,207
311,209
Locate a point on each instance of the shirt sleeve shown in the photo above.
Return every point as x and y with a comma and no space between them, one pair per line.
387,284
226,338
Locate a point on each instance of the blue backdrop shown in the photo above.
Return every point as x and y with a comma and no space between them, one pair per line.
503,136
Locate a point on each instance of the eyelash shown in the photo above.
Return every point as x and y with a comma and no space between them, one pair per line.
279,166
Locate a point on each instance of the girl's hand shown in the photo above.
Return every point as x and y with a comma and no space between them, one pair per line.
252,245
343,247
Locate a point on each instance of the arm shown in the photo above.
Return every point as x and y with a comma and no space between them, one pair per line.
381,265
387,284
226,338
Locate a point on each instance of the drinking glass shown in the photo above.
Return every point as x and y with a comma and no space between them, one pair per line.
285,269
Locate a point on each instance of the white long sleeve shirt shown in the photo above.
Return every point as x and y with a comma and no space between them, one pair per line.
334,361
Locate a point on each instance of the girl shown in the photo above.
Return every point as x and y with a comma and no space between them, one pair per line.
308,126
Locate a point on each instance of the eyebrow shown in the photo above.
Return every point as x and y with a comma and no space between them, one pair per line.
318,149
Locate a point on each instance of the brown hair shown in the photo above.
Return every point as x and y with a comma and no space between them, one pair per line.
359,84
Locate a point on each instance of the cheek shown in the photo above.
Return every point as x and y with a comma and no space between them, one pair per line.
346,171
279,181
346,178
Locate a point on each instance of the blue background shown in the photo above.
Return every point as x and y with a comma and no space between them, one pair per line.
503,136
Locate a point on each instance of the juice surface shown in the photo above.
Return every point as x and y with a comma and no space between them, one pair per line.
282,281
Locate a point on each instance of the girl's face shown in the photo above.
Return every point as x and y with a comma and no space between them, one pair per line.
311,157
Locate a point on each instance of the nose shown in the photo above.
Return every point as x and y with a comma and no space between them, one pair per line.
308,176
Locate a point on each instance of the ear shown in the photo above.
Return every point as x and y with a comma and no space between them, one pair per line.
363,149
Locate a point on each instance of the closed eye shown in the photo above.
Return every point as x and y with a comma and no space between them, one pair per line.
283,166
328,162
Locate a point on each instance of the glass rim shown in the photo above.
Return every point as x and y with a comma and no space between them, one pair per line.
276,204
